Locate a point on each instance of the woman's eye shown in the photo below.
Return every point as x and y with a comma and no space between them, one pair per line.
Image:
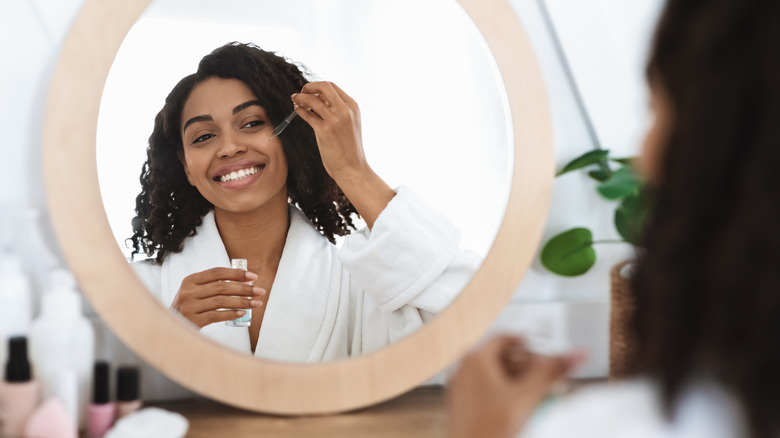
254,123
202,138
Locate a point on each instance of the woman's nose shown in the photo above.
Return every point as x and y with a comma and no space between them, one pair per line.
230,146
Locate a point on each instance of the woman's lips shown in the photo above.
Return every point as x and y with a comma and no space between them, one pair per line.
239,174
239,179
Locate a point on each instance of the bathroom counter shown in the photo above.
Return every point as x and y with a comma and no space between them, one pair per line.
418,413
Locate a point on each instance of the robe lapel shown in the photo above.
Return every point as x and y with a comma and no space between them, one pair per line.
297,314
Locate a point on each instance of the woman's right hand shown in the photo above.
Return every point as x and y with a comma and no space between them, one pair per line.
202,293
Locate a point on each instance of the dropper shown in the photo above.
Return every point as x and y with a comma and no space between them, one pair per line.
284,124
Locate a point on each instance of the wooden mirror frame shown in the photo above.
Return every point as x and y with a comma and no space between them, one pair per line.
173,347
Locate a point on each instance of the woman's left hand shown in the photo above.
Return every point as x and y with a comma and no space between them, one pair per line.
335,118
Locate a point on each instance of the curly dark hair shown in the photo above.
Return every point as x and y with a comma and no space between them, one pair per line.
708,284
169,209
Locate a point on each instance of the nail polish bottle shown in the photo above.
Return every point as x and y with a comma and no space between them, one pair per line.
18,392
127,393
100,415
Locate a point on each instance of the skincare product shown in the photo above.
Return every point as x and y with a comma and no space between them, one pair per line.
127,394
18,392
100,415
51,420
15,296
62,339
66,391
245,320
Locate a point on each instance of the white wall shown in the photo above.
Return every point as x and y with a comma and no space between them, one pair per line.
603,41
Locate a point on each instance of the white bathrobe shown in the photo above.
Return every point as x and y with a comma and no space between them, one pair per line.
328,303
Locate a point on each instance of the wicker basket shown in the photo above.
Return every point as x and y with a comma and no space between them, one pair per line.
622,345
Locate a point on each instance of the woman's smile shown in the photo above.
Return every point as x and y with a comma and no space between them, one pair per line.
239,174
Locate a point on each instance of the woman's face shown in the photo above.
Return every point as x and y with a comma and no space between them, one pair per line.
228,153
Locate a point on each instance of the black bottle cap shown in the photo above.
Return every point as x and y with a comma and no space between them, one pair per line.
127,384
18,367
100,388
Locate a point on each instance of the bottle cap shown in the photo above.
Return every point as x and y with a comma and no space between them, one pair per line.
100,389
127,384
18,367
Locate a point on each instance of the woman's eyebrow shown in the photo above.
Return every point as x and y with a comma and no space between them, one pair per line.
195,120
246,105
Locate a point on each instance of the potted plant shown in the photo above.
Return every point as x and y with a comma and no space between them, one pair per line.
572,252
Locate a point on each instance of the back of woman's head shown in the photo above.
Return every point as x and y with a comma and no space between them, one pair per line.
708,286
169,209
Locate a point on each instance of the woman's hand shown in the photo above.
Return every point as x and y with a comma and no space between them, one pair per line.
497,388
202,293
335,119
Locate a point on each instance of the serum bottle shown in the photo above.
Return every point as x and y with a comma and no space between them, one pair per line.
245,320
19,391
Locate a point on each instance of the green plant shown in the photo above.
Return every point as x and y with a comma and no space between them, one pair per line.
571,252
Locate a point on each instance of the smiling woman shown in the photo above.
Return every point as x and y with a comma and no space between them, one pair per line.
217,185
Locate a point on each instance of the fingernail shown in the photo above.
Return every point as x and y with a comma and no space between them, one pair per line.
258,290
292,96
256,303
250,276
241,312
296,106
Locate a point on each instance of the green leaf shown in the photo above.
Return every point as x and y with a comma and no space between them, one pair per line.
621,184
569,253
599,175
630,217
586,159
628,161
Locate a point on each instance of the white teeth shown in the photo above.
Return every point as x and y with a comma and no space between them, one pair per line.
238,174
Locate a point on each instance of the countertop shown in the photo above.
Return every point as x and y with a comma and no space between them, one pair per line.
418,413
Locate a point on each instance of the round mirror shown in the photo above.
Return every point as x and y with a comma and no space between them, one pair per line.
169,344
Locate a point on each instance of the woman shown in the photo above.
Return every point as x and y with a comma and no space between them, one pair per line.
707,285
217,185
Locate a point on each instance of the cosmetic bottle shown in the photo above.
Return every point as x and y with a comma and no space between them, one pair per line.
100,414
245,320
18,392
15,296
127,393
61,339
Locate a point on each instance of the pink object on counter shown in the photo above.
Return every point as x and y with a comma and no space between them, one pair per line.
101,412
17,404
100,418
51,420
19,391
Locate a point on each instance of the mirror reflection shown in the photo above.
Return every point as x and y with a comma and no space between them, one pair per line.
358,223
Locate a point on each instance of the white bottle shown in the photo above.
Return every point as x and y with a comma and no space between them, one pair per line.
62,338
15,301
